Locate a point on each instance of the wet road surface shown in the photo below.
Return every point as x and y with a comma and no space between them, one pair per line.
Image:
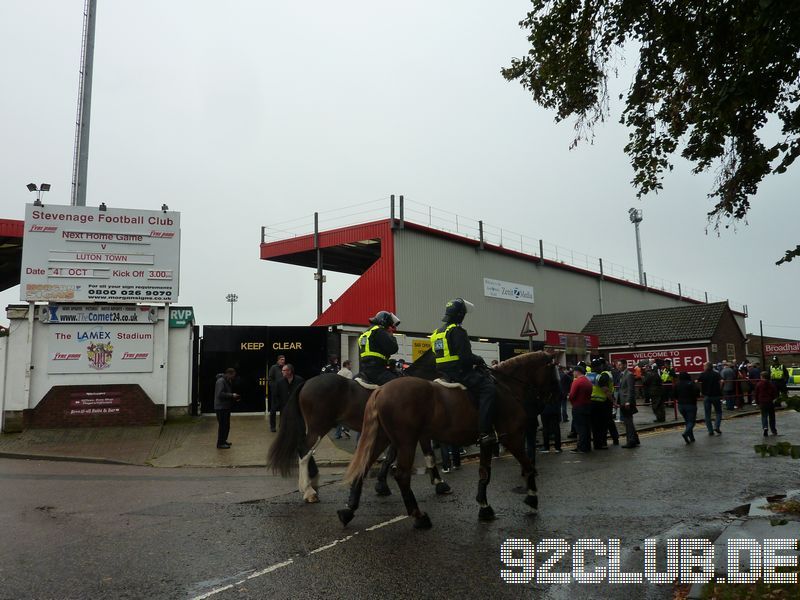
75,530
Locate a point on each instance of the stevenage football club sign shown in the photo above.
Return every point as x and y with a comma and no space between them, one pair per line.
80,254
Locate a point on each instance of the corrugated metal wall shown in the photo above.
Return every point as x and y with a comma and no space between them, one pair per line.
430,270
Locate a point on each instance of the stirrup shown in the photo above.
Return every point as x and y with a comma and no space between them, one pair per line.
487,439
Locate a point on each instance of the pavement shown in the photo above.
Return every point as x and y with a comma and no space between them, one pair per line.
191,441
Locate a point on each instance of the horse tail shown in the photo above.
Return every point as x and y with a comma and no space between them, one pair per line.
283,453
362,460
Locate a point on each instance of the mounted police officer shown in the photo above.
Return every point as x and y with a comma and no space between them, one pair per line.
455,359
376,345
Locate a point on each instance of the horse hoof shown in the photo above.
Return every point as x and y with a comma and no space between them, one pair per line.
486,514
532,501
345,515
423,522
443,488
312,499
382,489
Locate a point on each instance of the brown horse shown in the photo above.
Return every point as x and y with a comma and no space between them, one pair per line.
406,410
319,405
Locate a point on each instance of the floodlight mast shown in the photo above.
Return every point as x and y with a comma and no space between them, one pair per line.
635,215
80,159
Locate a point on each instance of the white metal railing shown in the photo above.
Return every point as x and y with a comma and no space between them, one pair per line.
443,220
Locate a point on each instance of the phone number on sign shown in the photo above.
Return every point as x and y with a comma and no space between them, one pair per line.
681,561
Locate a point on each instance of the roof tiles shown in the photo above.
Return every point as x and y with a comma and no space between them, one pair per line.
676,324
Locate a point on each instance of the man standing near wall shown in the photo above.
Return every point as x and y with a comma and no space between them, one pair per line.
627,404
224,397
580,395
283,391
273,377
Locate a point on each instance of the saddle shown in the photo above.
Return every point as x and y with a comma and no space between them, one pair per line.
450,384
365,384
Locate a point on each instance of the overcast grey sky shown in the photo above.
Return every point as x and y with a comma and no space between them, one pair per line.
241,114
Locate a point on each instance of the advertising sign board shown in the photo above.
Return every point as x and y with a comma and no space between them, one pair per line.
506,290
782,348
683,359
83,254
180,316
100,348
97,313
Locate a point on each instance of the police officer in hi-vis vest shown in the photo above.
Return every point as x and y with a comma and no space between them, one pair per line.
376,345
455,359
602,393
779,375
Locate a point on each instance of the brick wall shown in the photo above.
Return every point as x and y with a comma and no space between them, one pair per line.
728,332
94,406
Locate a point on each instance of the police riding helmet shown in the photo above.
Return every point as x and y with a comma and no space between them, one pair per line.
456,310
385,319
598,364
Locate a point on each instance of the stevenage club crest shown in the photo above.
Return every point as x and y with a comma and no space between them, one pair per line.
99,355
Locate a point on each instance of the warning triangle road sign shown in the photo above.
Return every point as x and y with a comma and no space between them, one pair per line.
528,327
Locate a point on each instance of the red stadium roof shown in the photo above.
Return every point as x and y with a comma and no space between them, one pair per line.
366,250
10,252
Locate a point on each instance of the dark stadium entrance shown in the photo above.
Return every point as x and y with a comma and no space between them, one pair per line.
251,350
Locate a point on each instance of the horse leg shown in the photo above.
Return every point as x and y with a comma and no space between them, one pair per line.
442,487
347,513
515,446
381,487
402,474
308,475
485,512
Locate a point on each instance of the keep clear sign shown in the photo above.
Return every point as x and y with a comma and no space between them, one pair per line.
100,348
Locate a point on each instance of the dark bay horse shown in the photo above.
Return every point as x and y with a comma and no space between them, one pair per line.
409,409
315,408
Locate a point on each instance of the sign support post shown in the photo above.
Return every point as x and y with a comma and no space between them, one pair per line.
165,363
29,354
529,330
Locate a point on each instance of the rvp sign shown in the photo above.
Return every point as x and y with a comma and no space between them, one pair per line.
180,317
691,360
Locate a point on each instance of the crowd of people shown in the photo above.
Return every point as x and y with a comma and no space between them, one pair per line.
601,396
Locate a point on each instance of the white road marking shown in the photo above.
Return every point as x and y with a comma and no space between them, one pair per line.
385,523
331,545
286,563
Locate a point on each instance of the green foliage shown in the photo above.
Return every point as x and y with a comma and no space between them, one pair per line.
779,449
709,76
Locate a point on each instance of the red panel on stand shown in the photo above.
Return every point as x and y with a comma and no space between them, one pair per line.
373,291
11,228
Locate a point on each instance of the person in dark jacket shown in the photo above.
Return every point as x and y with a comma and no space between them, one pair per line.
685,394
454,358
766,392
332,366
284,389
551,428
652,386
711,388
224,397
375,346
627,405
273,377
566,384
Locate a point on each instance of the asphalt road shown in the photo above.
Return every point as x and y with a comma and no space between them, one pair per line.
72,530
